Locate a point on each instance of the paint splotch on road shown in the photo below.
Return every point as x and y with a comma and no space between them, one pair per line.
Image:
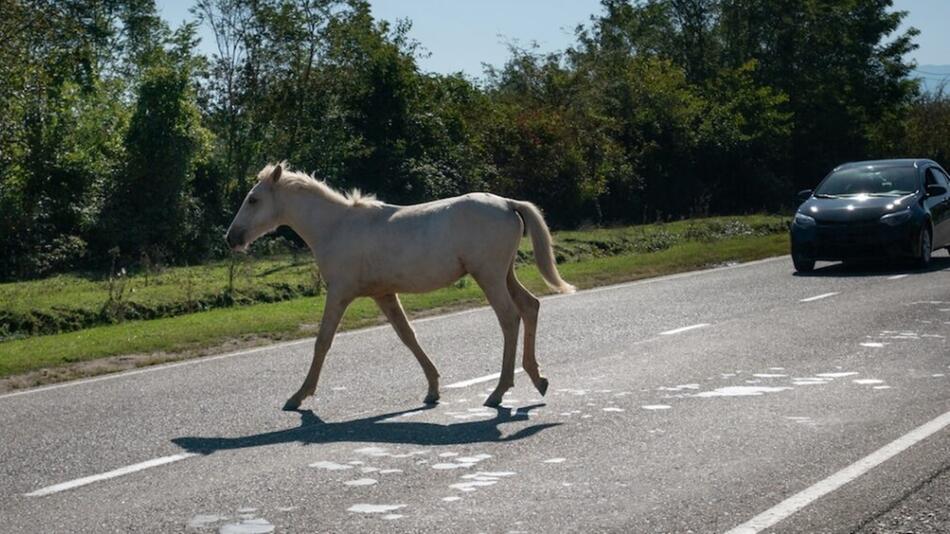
365,508
361,482
248,526
330,466
205,520
741,391
837,375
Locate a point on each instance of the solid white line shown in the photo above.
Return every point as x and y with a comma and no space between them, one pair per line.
802,499
684,329
897,276
163,367
473,381
819,297
49,490
666,278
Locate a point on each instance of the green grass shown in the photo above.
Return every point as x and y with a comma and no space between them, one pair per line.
593,258
75,301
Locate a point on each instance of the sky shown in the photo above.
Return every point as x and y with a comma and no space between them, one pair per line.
460,35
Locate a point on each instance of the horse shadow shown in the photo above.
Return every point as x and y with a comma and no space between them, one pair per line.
376,429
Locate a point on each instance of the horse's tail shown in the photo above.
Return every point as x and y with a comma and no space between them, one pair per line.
541,242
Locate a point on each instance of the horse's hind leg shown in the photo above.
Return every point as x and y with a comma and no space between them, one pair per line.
392,308
495,289
528,306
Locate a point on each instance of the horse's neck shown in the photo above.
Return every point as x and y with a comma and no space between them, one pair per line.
311,215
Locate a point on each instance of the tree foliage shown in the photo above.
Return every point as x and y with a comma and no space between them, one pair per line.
115,136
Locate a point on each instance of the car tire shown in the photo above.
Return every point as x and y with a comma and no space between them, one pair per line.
926,248
803,265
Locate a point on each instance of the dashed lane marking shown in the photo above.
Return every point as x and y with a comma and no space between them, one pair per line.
819,297
684,329
56,488
473,381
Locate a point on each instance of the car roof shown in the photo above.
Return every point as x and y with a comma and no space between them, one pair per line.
901,162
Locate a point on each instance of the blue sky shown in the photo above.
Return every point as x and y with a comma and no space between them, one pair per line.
460,35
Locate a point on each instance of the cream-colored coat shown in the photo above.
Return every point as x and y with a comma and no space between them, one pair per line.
365,248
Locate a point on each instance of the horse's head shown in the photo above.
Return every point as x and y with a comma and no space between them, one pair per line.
259,212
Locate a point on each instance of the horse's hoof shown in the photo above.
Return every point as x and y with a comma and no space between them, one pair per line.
431,398
291,405
492,402
542,386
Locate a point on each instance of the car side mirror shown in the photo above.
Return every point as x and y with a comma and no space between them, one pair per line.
804,194
936,190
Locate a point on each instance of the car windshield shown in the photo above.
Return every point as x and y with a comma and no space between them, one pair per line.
870,180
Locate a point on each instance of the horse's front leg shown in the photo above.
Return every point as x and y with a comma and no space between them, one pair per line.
332,314
392,308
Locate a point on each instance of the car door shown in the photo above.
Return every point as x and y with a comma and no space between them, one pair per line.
940,211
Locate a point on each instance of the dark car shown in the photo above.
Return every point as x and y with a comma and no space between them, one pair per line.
873,210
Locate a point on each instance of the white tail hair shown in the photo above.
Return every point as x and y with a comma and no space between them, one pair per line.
541,242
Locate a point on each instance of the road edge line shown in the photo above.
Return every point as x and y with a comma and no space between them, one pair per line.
818,490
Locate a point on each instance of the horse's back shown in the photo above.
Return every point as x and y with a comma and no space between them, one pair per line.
424,246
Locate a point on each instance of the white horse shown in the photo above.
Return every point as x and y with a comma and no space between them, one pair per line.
365,248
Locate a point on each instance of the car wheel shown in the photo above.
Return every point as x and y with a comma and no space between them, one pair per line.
803,265
926,248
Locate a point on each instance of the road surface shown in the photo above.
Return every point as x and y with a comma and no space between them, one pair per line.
740,399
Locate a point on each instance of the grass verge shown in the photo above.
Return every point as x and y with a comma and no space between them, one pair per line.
176,337
78,301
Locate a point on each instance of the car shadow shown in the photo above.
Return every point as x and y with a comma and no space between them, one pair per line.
376,429
876,268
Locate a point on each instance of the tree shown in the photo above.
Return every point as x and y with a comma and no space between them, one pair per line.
149,206
61,127
843,77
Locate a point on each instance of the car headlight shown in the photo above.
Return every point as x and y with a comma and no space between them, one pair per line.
804,220
893,219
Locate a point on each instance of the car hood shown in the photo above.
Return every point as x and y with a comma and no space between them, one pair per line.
853,208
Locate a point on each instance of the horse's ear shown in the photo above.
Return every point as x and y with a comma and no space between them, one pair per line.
275,174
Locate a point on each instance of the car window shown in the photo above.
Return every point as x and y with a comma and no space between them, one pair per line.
931,176
870,180
942,178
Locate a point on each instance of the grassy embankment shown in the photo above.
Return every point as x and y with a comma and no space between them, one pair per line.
182,311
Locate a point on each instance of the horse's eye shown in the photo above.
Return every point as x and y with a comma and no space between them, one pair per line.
252,201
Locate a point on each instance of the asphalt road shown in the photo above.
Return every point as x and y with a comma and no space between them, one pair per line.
795,404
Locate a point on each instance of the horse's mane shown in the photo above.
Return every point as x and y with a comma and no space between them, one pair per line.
299,180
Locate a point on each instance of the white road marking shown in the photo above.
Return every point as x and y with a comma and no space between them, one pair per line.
802,499
310,340
897,276
473,381
819,297
49,490
684,329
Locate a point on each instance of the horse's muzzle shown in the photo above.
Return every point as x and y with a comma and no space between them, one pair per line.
235,239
